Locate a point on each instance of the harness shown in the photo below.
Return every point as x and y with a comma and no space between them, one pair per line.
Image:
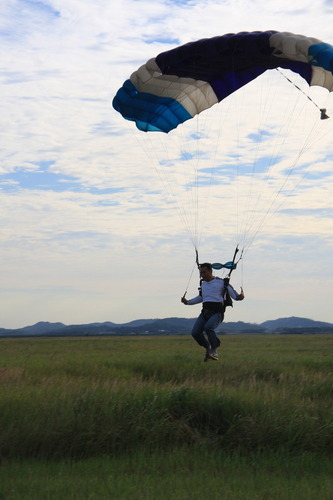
227,300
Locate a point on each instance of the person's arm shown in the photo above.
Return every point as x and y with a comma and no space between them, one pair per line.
190,302
234,295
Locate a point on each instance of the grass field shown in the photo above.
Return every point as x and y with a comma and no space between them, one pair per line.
144,417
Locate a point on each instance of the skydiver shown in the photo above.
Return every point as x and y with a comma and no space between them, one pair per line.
213,296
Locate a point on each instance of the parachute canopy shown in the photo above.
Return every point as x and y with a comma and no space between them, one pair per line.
181,83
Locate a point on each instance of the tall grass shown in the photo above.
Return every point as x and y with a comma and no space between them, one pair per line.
185,474
87,397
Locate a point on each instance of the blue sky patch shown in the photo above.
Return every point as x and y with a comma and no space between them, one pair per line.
320,213
41,180
153,40
41,7
260,136
44,180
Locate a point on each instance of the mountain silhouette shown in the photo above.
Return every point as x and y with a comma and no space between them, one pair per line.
169,326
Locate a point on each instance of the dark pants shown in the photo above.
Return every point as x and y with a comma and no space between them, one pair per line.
207,322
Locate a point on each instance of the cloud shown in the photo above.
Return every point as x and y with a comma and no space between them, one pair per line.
92,213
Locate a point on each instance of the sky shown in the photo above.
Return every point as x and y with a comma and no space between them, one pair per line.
99,222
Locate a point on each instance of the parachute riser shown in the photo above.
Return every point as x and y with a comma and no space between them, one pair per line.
233,262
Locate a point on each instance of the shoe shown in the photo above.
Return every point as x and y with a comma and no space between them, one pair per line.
213,355
207,357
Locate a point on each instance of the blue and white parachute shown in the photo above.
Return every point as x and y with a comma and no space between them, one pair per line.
232,168
181,83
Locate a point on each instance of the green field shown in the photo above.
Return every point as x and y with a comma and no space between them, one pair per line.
144,417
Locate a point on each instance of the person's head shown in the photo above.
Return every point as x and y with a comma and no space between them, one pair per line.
206,271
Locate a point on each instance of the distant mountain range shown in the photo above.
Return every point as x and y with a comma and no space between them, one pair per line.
169,326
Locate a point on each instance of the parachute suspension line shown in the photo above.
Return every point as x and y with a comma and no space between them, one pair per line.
196,264
200,178
187,182
239,102
196,188
277,146
187,186
272,209
190,278
306,146
255,184
237,159
308,141
255,187
263,188
208,126
323,115
147,144
188,163
248,215
244,221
